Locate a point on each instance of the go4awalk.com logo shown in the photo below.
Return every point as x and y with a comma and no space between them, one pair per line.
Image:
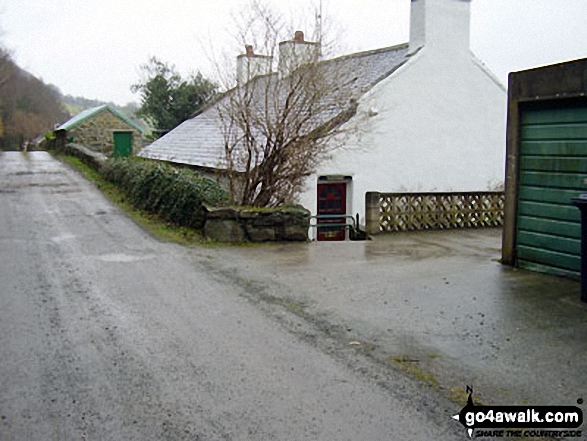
520,421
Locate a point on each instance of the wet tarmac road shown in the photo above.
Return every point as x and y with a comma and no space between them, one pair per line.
107,333
442,301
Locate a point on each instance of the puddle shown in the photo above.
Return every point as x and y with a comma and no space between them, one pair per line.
62,238
121,257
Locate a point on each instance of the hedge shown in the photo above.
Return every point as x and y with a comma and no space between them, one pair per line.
174,194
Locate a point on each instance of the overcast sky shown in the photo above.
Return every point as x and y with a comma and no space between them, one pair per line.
93,48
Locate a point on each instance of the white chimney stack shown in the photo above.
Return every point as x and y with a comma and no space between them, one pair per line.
250,65
435,23
297,52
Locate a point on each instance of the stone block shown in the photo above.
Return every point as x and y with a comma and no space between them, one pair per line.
261,234
230,213
248,214
296,233
268,219
224,230
237,224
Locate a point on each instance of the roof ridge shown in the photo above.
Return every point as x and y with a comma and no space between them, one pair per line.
354,55
93,111
125,118
366,53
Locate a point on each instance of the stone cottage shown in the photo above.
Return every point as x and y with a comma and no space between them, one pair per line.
104,129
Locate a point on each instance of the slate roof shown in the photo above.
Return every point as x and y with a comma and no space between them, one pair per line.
83,116
199,141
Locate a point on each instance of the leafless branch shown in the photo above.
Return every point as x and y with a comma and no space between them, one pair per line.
278,127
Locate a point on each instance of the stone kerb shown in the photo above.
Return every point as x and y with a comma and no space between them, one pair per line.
241,224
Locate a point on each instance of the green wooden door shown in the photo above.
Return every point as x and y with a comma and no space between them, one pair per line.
553,169
122,144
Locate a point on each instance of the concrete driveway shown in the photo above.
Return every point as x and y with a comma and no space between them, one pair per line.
436,304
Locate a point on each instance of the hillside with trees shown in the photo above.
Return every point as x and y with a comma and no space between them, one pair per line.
28,107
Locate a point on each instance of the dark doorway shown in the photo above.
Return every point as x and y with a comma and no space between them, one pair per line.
331,201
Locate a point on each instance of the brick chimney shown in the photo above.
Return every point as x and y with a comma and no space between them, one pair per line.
250,65
297,52
440,23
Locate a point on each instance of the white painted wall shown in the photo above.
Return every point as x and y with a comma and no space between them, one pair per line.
293,54
442,23
251,66
440,126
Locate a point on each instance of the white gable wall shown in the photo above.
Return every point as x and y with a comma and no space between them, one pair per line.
443,24
439,124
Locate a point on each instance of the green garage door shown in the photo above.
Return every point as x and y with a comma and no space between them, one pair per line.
553,169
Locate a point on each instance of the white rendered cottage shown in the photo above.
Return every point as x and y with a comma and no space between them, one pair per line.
432,117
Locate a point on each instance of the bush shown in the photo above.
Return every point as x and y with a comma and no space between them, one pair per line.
176,195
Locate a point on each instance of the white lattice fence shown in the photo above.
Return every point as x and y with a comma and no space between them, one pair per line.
433,211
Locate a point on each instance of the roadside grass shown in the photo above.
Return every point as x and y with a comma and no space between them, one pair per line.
297,308
150,222
458,395
411,367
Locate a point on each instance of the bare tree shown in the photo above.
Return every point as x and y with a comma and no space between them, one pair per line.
278,126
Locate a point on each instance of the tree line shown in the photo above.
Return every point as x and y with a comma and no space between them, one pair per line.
28,107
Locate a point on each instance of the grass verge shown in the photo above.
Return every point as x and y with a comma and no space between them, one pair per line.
412,368
151,223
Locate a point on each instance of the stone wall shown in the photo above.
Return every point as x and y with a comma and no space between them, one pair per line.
241,224
89,157
97,133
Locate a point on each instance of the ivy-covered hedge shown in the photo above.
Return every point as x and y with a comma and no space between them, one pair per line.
174,194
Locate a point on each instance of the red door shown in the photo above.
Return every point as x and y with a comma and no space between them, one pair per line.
331,200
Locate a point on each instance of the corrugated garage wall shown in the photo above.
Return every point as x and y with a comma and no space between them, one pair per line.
552,170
